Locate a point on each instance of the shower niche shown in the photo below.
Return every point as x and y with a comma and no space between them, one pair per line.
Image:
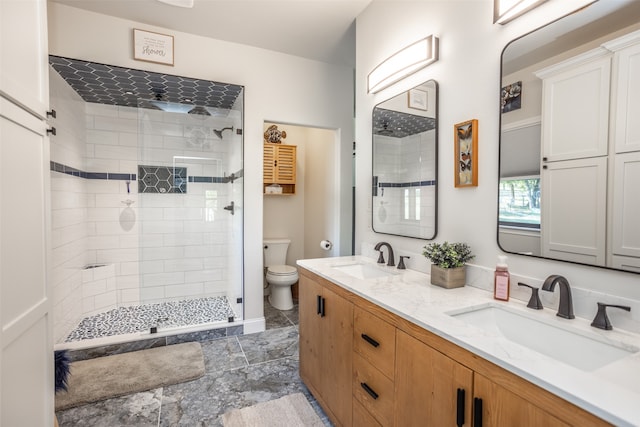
168,149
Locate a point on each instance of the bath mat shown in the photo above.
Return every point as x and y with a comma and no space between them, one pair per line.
293,410
112,376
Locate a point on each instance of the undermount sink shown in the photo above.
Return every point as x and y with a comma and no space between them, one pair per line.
557,341
363,271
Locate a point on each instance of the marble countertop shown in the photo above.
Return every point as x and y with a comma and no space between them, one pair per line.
611,392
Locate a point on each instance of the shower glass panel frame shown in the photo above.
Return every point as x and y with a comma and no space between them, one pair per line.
190,199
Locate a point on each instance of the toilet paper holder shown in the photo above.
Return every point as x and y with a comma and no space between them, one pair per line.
326,245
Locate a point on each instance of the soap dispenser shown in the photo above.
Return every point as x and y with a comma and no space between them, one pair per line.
501,280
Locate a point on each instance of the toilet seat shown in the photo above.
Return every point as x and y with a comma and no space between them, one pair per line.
282,270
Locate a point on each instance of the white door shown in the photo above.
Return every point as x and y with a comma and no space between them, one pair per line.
573,210
24,73
626,206
26,350
626,93
575,108
26,358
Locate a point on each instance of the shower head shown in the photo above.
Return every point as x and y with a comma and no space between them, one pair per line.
219,132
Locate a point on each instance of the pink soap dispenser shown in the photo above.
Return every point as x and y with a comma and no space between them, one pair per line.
501,280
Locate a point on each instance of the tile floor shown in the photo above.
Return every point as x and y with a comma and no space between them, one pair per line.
239,371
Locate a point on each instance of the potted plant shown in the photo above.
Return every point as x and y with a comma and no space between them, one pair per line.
448,262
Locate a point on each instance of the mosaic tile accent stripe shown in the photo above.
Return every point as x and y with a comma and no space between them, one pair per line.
128,320
162,179
59,167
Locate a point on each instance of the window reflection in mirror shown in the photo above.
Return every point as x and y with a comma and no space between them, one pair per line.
569,146
404,182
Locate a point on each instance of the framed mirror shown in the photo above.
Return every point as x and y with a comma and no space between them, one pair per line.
569,143
405,163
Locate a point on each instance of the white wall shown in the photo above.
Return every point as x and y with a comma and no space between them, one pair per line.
468,73
278,87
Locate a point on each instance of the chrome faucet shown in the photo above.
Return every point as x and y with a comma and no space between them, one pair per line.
565,306
378,247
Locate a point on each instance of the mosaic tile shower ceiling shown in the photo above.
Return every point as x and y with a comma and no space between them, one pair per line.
128,320
162,179
399,125
112,85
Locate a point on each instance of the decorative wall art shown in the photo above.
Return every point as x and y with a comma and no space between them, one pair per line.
417,99
152,47
511,97
466,153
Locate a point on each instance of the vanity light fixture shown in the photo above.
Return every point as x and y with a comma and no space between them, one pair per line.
403,63
507,10
179,3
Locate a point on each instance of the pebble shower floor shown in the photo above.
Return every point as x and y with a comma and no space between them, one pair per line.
127,320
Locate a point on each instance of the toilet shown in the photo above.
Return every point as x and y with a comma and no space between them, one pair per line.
279,276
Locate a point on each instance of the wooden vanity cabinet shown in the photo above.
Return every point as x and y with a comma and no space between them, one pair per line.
326,328
433,382
431,388
501,407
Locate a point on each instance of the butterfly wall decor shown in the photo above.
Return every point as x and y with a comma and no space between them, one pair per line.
466,153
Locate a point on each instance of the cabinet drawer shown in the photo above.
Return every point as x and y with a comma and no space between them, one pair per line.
362,418
374,340
373,390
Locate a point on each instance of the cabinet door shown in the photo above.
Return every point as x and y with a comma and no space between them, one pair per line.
337,333
427,384
26,350
626,205
627,99
24,74
573,210
268,164
575,111
286,164
310,328
501,407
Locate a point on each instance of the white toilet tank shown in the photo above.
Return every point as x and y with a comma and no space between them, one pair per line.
275,251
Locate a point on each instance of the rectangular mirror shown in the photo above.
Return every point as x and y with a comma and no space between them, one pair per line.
569,143
405,163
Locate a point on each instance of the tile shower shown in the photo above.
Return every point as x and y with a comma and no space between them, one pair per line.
140,234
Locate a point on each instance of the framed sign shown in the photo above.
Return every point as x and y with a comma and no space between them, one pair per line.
466,153
418,99
152,47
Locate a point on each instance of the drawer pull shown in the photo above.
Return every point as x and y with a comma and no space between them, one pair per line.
369,390
370,340
477,412
318,304
460,408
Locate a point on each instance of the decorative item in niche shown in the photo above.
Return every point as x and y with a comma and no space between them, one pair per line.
162,179
466,153
417,99
511,97
152,47
273,135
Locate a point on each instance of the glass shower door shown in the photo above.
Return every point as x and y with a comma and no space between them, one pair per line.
190,195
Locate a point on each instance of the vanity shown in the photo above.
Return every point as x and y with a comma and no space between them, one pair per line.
383,347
